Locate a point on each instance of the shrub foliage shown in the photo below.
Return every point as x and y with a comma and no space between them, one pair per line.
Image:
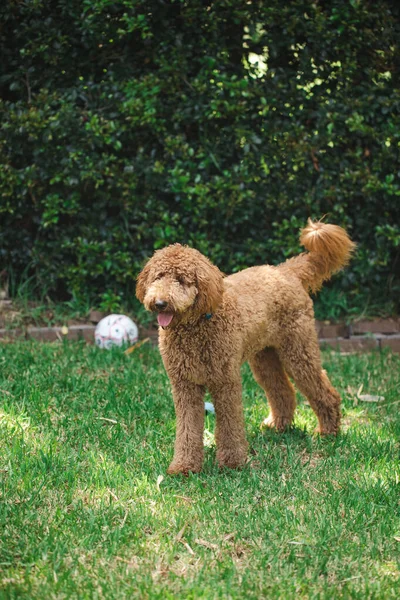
130,125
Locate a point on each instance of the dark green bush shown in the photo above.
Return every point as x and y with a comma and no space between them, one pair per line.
130,125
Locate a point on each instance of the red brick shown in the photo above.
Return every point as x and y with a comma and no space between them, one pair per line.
376,326
44,334
392,342
78,332
358,344
96,315
11,334
52,334
328,330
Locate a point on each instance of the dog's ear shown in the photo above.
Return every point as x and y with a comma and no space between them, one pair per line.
142,282
210,286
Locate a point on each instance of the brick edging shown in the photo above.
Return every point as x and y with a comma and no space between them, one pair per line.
361,335
381,333
362,343
50,334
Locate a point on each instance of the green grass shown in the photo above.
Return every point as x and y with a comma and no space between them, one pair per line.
84,513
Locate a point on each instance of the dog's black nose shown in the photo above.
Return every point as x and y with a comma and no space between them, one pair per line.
161,304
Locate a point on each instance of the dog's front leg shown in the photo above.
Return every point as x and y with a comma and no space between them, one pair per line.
189,409
230,433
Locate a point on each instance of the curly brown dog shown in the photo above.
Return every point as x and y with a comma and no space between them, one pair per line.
211,324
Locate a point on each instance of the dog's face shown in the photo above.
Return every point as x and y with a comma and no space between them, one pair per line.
178,283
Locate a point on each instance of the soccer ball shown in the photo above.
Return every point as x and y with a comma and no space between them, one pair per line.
115,330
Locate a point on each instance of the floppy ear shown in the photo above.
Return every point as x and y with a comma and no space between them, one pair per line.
142,282
210,286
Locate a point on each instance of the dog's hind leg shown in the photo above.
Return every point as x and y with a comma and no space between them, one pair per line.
189,409
300,356
230,433
270,375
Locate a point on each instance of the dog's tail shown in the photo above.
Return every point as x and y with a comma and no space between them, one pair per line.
329,250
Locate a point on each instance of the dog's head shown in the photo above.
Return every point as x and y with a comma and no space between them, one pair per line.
179,283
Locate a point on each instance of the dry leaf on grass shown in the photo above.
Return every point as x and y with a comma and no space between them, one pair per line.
188,548
114,496
184,498
124,520
298,543
363,397
206,544
370,398
113,421
179,538
136,346
180,534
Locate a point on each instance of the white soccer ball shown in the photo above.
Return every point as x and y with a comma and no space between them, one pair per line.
115,330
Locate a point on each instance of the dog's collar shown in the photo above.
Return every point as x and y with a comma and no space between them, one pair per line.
208,316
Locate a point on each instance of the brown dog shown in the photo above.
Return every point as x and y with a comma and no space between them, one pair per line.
211,324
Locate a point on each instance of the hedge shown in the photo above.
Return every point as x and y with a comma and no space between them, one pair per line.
221,124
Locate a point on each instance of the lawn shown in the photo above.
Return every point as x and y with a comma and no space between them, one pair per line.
87,510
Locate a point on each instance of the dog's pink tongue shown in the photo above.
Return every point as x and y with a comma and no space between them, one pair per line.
164,319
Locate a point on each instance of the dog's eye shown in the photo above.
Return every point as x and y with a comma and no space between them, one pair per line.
180,280
159,276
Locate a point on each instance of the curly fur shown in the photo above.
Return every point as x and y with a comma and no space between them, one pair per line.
210,325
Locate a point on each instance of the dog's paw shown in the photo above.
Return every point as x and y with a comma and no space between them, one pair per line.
176,468
327,430
233,459
278,423
329,424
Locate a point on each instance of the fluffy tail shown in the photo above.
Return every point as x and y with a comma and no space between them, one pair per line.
329,250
